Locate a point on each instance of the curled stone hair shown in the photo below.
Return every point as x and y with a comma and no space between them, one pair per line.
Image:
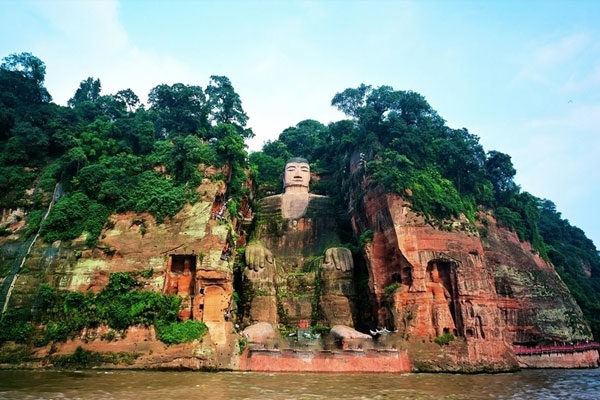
297,160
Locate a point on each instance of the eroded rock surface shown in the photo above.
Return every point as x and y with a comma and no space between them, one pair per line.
452,299
489,293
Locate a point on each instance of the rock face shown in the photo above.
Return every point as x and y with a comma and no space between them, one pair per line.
462,298
193,241
535,303
426,282
261,332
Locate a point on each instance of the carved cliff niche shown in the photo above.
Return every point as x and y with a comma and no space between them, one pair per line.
177,264
442,285
206,293
215,303
181,273
213,297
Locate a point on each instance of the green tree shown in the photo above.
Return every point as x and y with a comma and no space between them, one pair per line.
88,90
350,101
500,172
266,170
179,109
30,67
185,155
225,104
129,98
304,139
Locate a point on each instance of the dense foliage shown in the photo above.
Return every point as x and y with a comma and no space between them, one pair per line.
121,304
401,144
110,152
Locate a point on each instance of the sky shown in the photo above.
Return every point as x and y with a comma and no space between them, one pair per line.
523,76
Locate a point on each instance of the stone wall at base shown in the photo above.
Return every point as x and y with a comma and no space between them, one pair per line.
325,361
581,359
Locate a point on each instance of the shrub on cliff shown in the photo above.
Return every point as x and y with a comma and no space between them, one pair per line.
180,332
391,289
119,305
72,215
15,326
85,359
444,339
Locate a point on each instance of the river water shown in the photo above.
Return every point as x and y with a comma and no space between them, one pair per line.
531,384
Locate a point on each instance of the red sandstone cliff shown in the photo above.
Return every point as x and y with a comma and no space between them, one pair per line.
478,283
134,243
491,292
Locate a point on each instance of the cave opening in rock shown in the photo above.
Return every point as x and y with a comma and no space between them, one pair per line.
181,272
407,276
178,262
441,275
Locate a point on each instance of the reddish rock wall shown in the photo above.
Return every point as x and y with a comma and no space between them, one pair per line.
491,292
309,361
584,359
135,243
442,285
535,303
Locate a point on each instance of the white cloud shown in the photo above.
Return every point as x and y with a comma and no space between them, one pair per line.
561,50
589,80
543,58
104,50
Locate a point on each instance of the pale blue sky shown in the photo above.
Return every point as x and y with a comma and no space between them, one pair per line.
524,76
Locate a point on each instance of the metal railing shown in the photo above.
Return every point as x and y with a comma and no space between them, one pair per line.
558,348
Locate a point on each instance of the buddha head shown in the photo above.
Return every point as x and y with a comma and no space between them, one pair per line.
296,175
186,266
435,275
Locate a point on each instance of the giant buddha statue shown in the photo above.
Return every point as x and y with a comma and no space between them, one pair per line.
295,267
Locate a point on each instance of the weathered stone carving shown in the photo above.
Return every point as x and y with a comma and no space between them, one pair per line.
338,258
441,300
184,287
258,257
293,230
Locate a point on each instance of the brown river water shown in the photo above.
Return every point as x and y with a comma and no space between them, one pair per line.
531,384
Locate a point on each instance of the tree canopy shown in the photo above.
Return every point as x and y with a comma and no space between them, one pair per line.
110,153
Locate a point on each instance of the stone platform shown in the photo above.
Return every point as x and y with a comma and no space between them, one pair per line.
290,360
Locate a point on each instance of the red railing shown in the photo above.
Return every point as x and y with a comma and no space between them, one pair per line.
564,348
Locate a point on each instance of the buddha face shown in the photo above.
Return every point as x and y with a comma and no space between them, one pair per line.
296,174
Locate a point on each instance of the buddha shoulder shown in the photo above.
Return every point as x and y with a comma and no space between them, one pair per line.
270,203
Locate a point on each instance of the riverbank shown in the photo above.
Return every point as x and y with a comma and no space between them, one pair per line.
531,384
139,349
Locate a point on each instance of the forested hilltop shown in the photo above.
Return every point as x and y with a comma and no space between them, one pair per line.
112,154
